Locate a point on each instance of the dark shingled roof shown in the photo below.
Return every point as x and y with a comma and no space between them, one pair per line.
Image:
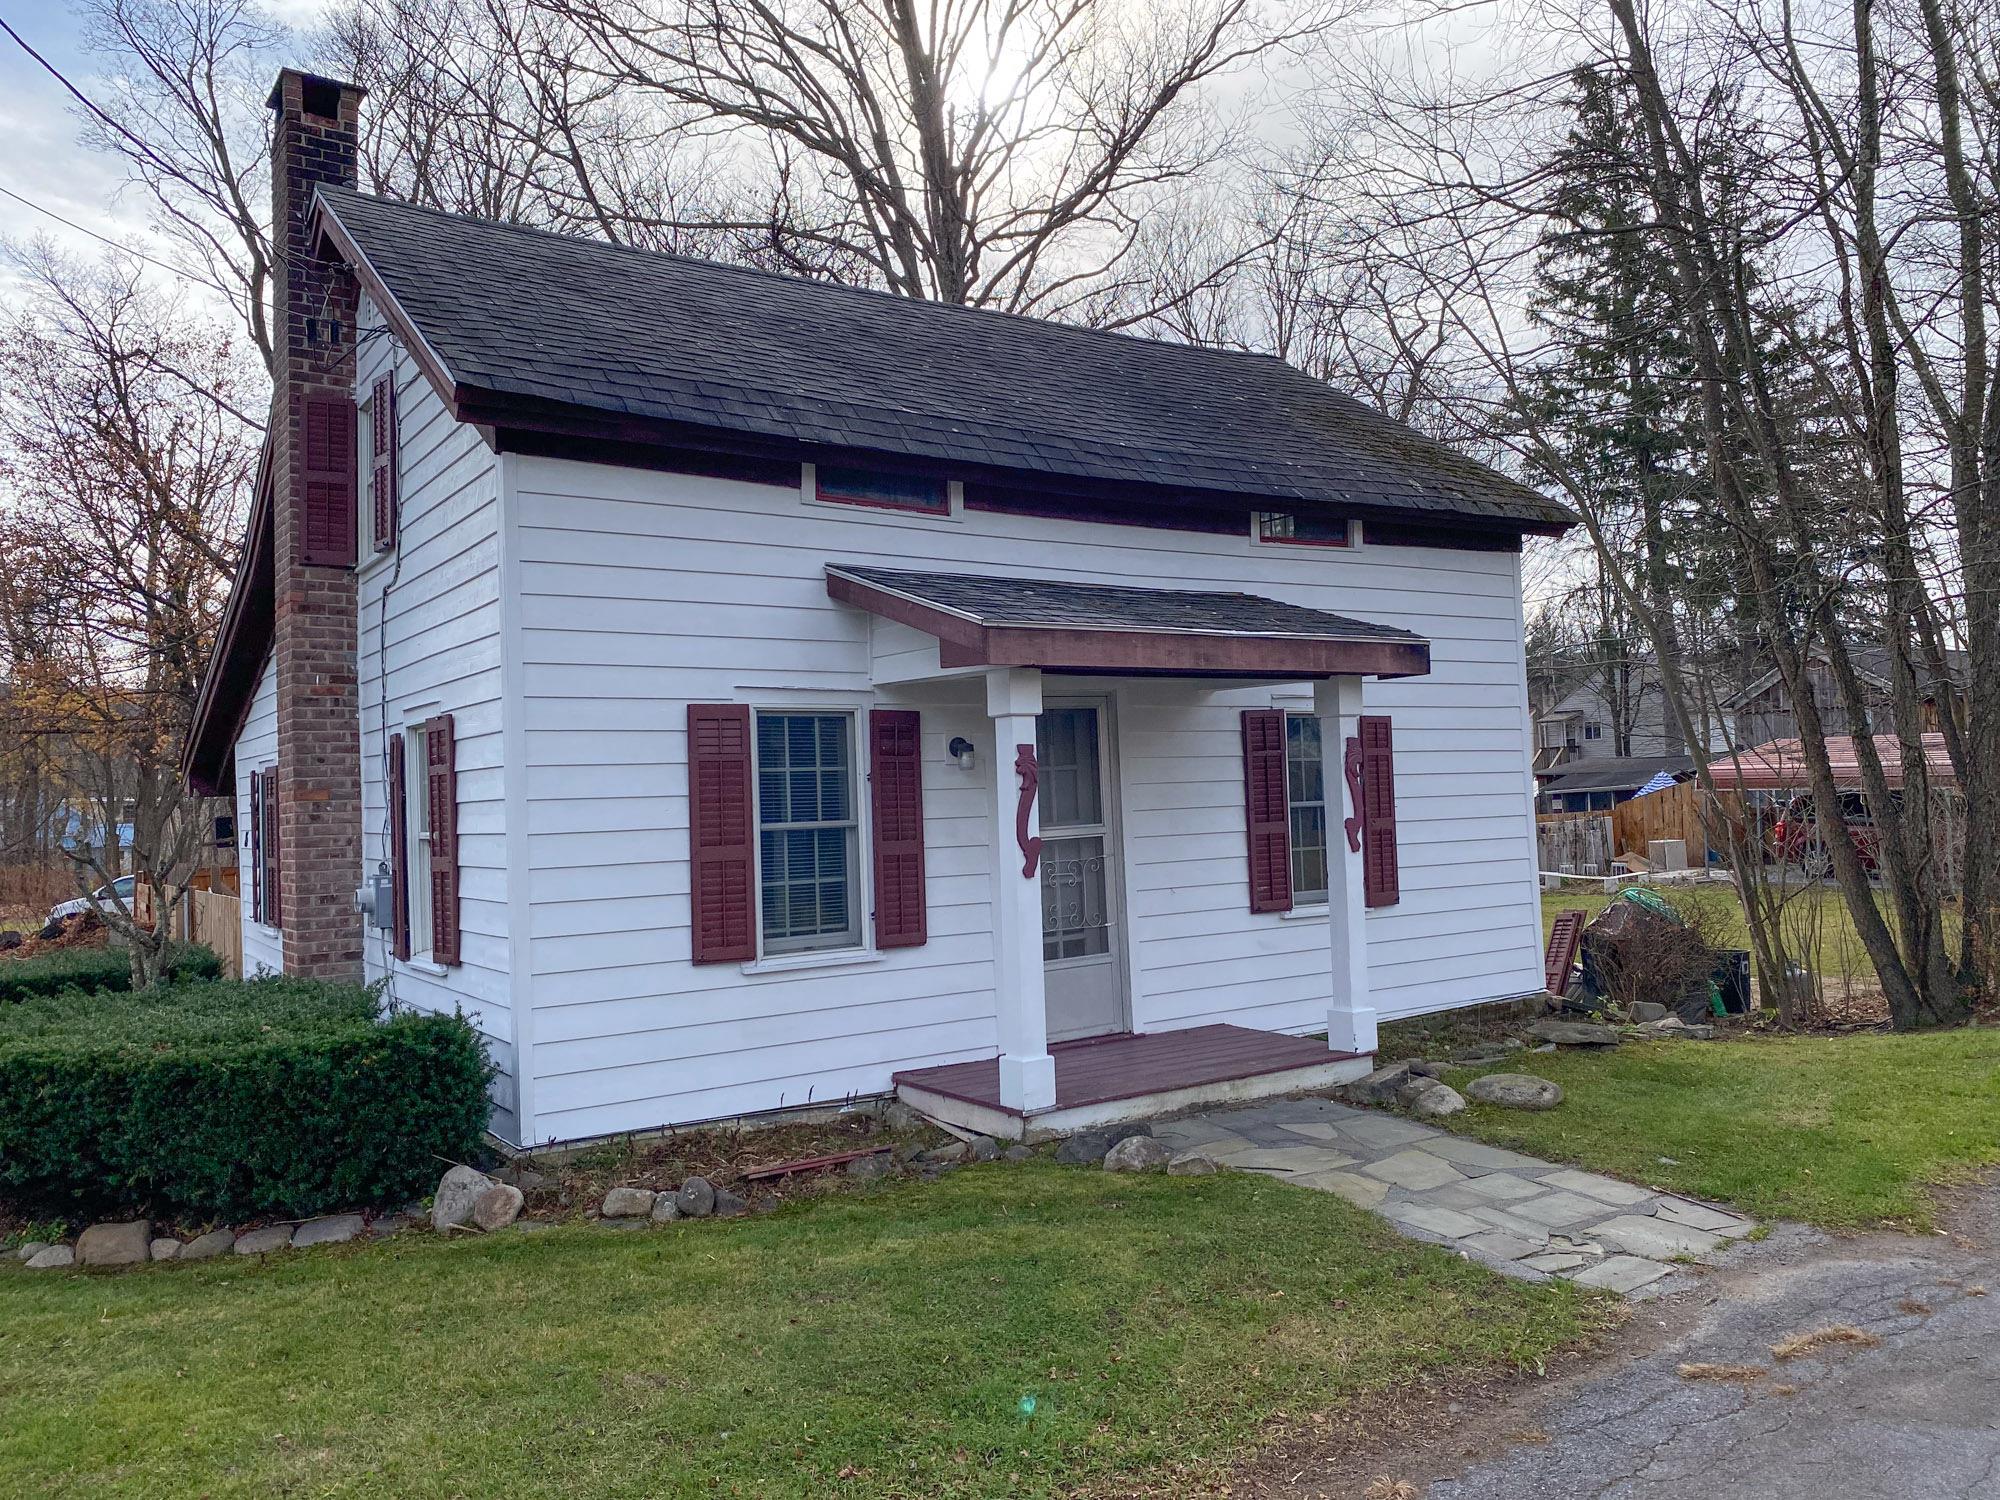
1104,606
1616,773
527,314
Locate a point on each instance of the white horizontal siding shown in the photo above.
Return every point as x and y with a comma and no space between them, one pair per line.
430,643
256,750
640,592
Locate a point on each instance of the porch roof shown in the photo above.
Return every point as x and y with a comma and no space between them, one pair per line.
981,620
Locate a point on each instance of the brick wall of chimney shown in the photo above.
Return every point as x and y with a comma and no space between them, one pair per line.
319,738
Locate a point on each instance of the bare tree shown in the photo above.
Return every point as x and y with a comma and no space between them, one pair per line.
994,152
123,476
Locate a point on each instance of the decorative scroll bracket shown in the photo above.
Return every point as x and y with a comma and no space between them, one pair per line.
1351,766
1031,848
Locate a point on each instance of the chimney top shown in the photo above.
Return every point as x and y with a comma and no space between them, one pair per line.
319,94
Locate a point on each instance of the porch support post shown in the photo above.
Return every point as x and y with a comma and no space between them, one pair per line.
1350,1020
1027,1072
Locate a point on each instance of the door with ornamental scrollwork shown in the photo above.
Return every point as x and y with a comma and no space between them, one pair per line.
1082,959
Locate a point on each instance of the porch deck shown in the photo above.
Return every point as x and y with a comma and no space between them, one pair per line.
1107,1079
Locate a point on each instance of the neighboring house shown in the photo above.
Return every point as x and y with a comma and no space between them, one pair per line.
1597,784
737,692
1585,724
1762,712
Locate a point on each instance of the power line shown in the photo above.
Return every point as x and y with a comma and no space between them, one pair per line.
144,148
104,239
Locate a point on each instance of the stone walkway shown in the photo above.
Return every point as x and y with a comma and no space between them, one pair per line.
1525,1218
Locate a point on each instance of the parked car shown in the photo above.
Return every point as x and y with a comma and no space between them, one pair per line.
124,886
1795,836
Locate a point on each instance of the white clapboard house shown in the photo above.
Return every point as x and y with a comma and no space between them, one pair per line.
739,693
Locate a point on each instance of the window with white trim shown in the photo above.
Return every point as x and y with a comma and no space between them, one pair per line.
1592,730
808,832
417,841
1302,529
1305,795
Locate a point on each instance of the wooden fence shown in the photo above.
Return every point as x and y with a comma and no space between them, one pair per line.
214,917
1577,843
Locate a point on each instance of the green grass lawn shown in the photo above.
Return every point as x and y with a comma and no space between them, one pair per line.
1840,1131
1015,1331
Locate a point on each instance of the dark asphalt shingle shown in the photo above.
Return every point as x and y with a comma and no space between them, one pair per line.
1104,606
523,312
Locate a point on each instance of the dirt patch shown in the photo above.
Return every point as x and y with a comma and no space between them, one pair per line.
576,1183
85,930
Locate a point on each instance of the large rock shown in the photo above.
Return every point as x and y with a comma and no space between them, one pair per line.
1137,1153
696,1198
457,1191
729,1205
334,1229
1437,1100
665,1209
166,1249
1647,1010
52,1258
628,1203
264,1241
31,1249
1191,1164
498,1207
205,1246
951,1153
872,1168
1089,1147
128,1244
1383,1086
1515,1091
982,1148
1573,1033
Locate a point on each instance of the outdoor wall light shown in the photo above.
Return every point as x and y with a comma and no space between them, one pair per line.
960,750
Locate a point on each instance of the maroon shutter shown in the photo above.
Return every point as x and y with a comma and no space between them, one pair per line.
1381,880
720,831
327,424
896,769
399,846
257,845
274,854
384,462
1266,809
441,787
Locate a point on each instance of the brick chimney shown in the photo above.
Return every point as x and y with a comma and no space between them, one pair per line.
319,725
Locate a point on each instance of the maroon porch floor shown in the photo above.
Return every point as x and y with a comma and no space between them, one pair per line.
1104,1068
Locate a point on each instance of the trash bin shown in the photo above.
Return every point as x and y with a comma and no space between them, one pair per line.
1732,980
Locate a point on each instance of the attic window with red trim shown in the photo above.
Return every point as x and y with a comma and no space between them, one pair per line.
1303,529
885,491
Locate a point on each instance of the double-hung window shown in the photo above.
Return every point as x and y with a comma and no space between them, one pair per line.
808,834
417,835
1305,794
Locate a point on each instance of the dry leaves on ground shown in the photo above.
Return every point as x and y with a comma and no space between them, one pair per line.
1801,1344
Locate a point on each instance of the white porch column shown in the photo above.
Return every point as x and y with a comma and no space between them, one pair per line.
1350,1020
1027,1072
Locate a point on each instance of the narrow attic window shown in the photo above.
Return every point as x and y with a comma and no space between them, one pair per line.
1290,528
931,497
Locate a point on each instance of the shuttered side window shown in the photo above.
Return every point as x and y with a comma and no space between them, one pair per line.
271,868
1266,809
441,800
895,743
383,464
327,536
721,825
256,846
1381,878
399,844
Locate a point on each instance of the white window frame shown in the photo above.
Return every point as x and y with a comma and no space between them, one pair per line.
1258,539
417,843
1299,897
953,513
855,941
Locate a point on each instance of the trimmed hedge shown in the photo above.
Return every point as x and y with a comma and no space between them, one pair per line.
95,969
226,1099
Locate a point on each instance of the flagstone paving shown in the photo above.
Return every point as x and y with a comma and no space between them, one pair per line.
1525,1218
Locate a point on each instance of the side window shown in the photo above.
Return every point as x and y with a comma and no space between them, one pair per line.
1303,529
417,840
381,462
1305,795
808,833
885,491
